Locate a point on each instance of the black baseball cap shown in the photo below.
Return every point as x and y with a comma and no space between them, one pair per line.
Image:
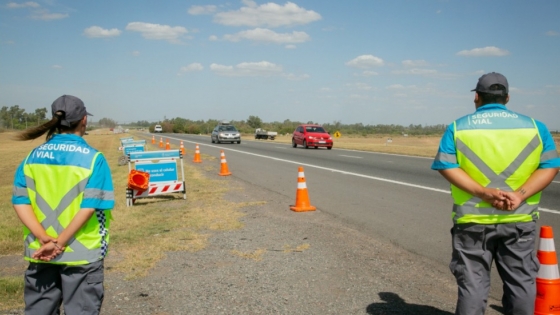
73,109
489,79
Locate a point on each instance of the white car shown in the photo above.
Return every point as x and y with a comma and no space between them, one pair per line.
158,129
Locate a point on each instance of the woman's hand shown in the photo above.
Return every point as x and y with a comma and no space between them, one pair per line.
48,251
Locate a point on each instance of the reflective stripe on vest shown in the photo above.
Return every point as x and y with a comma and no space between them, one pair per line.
471,209
56,217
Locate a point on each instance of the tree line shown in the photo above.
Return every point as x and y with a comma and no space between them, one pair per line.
182,125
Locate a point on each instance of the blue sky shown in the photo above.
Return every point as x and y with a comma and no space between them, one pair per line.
368,61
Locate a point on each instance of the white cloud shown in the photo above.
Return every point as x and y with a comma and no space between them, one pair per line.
248,69
296,77
57,67
191,68
202,9
365,61
213,38
552,33
290,46
360,86
484,52
269,14
45,15
414,63
266,35
171,34
136,53
416,71
29,4
369,73
98,32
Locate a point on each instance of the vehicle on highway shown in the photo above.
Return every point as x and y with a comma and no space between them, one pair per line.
225,132
158,129
311,136
263,134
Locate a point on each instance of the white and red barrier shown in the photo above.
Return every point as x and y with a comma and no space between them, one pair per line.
162,167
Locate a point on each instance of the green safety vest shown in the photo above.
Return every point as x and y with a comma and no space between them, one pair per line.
496,157
56,205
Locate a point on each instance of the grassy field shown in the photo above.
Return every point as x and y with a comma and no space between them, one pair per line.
140,235
426,146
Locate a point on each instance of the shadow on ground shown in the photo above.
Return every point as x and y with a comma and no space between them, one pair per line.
393,304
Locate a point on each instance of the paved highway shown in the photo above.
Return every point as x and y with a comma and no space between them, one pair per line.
395,198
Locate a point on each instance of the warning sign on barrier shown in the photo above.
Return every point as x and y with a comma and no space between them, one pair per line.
163,171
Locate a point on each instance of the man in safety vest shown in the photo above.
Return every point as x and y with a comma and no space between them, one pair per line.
63,194
497,162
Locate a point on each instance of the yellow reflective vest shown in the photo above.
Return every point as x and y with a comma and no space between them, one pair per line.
498,149
56,192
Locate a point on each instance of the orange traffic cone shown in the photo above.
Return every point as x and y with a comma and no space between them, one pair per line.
224,171
153,139
167,146
138,180
548,278
161,142
302,198
182,148
197,155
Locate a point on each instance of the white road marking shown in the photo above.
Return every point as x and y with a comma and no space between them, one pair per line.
351,173
354,157
557,182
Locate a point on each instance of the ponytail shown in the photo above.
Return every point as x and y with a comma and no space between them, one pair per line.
50,127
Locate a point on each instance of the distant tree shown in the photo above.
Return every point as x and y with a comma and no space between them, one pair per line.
41,115
107,122
254,122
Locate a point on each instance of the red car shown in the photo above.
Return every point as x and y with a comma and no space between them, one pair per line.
311,136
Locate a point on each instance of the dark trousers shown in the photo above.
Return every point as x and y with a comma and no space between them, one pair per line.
79,288
512,247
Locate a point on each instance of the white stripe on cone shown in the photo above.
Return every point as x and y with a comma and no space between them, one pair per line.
547,245
548,272
301,185
300,174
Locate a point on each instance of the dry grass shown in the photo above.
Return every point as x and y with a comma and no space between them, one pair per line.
425,146
254,255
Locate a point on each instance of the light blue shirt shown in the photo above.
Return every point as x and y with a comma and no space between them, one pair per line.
549,155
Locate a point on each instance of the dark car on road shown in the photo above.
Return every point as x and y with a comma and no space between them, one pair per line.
311,136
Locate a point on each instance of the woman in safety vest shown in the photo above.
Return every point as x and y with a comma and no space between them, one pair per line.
63,194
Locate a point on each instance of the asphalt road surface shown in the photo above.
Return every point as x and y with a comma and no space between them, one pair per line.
396,198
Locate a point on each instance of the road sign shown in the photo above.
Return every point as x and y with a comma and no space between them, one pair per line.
337,134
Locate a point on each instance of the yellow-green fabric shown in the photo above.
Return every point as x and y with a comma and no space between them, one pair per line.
498,158
56,205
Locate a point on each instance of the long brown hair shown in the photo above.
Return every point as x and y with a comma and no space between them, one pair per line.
50,127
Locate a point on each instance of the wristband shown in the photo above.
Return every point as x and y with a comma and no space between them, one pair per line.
56,245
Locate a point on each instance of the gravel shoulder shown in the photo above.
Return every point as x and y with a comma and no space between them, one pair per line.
283,262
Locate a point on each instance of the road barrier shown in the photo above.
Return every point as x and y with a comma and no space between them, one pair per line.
548,277
224,170
196,158
302,197
162,168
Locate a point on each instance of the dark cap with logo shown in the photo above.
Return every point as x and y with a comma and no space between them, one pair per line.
73,108
486,81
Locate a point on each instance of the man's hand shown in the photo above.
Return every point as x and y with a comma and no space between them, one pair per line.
497,198
515,199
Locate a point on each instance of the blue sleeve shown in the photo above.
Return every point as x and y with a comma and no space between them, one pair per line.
99,193
446,156
549,155
19,193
